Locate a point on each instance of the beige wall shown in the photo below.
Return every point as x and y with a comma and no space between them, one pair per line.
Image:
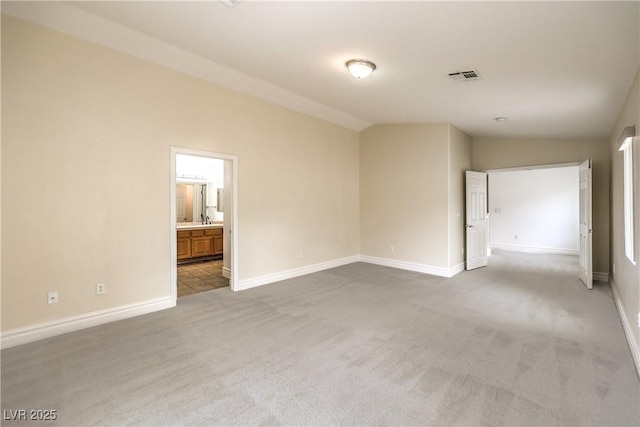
86,143
403,192
412,193
627,276
87,131
496,153
459,162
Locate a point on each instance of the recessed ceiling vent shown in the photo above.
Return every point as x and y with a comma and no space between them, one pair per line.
465,75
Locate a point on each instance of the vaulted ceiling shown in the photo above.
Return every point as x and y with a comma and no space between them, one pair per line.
554,69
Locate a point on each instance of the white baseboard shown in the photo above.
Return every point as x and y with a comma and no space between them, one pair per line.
412,266
15,337
627,325
226,272
534,249
456,269
19,336
601,277
296,272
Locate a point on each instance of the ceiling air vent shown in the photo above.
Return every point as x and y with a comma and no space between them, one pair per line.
465,75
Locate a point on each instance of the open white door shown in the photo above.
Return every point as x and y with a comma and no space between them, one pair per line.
476,216
586,244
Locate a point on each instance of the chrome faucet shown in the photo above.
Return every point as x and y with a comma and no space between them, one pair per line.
208,222
202,219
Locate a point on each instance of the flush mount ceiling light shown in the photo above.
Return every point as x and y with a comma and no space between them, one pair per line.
230,3
500,119
360,68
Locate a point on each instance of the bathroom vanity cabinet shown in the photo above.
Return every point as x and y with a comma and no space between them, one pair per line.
198,243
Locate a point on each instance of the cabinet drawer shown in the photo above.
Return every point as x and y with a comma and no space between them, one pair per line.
197,233
213,232
184,234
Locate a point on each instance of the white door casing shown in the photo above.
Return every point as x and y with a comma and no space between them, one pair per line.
586,226
231,222
476,219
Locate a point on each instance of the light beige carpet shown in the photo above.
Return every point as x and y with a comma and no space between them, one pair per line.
521,342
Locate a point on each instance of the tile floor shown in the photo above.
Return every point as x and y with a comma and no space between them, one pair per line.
200,277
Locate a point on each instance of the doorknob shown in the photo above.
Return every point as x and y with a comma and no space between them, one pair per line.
468,225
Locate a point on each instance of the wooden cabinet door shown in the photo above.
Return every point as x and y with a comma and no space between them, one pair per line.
217,245
184,248
201,246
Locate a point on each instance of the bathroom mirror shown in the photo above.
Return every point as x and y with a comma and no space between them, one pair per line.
191,202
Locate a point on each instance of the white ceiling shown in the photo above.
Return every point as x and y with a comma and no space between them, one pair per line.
555,69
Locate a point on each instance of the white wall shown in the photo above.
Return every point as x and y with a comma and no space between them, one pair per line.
540,206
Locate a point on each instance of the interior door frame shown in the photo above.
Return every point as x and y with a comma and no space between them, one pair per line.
541,166
231,234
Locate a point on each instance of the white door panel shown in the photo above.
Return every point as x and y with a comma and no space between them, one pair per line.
181,208
586,226
476,219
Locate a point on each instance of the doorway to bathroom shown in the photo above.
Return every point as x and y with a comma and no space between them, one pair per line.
203,221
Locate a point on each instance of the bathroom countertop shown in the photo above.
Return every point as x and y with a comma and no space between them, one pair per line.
196,225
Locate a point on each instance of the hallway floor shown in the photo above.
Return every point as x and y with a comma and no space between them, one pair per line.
200,277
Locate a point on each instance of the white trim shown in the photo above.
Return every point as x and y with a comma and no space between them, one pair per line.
295,272
19,336
233,273
627,325
534,249
533,167
412,266
601,277
71,20
628,199
456,269
226,272
40,331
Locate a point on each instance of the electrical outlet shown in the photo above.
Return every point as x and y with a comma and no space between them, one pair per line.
300,254
614,269
462,251
515,236
391,248
101,288
52,297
